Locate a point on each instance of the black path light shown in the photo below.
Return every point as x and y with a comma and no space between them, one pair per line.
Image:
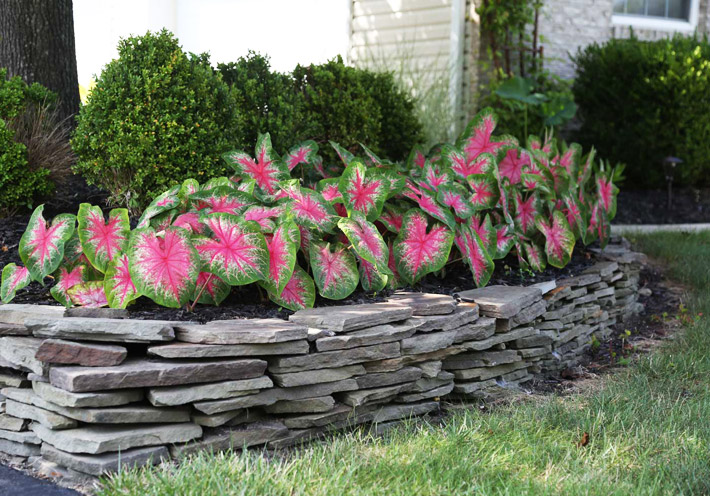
669,166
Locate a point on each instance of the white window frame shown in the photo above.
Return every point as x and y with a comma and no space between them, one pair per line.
658,23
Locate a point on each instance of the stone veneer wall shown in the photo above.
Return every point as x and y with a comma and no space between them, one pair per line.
83,392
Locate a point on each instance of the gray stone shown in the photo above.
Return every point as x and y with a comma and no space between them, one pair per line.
560,313
376,395
573,333
423,385
604,269
430,369
386,333
425,343
473,388
557,294
554,325
395,412
464,314
241,331
37,378
271,396
532,341
19,313
109,438
332,359
18,449
483,328
496,339
96,313
216,420
13,380
116,330
528,353
580,280
146,373
481,359
82,400
484,373
601,293
573,317
315,334
545,286
425,395
44,417
306,405
528,314
10,423
106,463
20,353
577,293
317,376
424,303
25,437
229,438
338,414
86,354
181,395
406,374
192,350
502,301
348,318
14,330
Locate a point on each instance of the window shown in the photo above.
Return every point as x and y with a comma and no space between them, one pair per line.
677,10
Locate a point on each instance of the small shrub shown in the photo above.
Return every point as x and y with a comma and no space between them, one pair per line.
155,117
641,101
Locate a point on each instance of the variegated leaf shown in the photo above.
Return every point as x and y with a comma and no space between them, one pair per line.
371,279
392,217
189,221
434,176
210,289
477,138
512,161
309,208
118,285
416,158
504,241
455,197
14,278
42,245
222,200
334,270
483,226
607,193
66,278
526,210
345,156
366,240
427,202
485,191
299,292
266,169
330,190
102,240
394,281
419,249
475,255
283,247
89,294
265,216
162,203
559,238
534,256
362,191
301,154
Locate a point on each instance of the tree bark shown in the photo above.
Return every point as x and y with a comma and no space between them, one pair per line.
37,44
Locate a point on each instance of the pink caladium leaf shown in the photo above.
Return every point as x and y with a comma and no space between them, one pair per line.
265,216
420,249
345,156
485,192
89,294
366,240
66,278
187,188
560,178
299,292
14,278
319,167
427,202
585,171
301,154
371,279
512,161
162,221
575,215
189,221
537,182
534,255
504,241
221,182
168,200
362,191
330,191
474,254
309,208
392,217
245,186
526,210
559,238
334,270
102,240
417,158
463,167
371,159
434,176
394,281
237,251
598,226
607,192
477,138
483,226
395,181
283,247
266,169
456,197
164,268
42,244
569,159
222,200
210,289
72,250
118,284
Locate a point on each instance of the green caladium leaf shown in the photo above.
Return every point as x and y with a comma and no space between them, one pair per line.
162,203
366,240
210,289
42,244
419,248
283,247
102,240
334,269
371,279
67,277
88,294
559,238
362,191
299,292
118,285
474,254
14,278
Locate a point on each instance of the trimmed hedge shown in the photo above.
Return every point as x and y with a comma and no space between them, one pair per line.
641,101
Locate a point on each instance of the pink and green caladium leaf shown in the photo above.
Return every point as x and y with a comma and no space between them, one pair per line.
526,210
416,158
575,214
461,166
585,171
299,292
162,203
283,247
89,294
366,240
210,289
477,138
164,268
456,197
559,238
394,281
237,251
309,208
265,216
420,249
14,278
222,200
485,192
334,269
504,241
534,255
187,188
598,226
392,217
607,193
118,285
512,161
301,154
396,181
221,182
483,226
42,244
189,221
427,202
66,278
474,254
266,169
329,188
371,158
72,250
569,159
371,279
434,176
362,191
345,156
102,240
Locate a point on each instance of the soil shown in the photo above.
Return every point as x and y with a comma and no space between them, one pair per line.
690,205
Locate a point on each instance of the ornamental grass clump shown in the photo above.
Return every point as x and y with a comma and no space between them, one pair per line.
297,226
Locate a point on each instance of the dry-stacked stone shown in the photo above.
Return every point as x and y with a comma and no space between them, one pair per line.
89,390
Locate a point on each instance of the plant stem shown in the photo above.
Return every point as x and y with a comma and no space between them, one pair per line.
199,293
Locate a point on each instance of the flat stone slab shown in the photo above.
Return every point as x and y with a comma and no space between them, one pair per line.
462,315
306,405
338,414
196,350
405,374
15,313
86,354
241,331
26,437
376,395
502,302
426,343
380,334
20,352
149,373
348,318
228,438
115,330
181,395
496,339
331,359
482,328
14,330
434,393
49,419
13,380
83,400
317,376
97,313
18,449
481,359
484,373
108,438
106,463
395,412
10,423
424,303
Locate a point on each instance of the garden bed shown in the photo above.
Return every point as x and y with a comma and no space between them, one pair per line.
690,205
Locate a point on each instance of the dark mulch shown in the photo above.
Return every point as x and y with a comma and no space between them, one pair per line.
690,205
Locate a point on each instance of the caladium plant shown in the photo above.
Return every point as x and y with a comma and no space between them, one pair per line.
419,248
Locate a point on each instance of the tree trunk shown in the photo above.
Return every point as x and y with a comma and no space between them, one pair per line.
37,44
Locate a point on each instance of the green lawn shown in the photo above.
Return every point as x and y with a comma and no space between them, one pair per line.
649,429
